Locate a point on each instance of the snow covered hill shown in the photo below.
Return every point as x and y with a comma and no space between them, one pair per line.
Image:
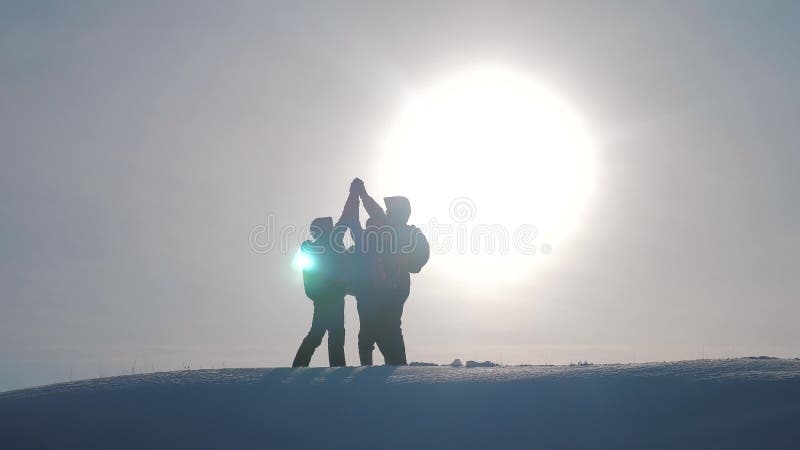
742,403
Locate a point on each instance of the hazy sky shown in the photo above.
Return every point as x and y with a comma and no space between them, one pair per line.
141,142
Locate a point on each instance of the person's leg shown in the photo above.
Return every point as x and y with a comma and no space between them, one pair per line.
311,341
392,336
336,333
381,331
366,331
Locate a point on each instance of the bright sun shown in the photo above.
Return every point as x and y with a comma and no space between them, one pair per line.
507,146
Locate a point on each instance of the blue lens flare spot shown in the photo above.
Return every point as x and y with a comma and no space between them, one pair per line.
302,261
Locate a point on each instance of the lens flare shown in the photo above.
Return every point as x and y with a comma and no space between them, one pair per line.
302,261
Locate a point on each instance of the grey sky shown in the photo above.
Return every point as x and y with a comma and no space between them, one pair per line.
140,142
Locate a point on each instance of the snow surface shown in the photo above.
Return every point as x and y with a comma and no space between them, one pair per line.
731,404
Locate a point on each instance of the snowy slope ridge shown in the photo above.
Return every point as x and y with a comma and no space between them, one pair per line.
742,403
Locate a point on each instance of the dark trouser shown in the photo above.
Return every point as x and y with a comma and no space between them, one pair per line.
381,318
328,316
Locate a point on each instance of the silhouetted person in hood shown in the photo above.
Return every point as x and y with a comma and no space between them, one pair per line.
387,251
324,279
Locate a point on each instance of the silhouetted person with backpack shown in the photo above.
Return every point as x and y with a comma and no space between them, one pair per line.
386,253
325,281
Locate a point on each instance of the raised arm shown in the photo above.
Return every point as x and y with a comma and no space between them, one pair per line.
350,210
373,208
350,213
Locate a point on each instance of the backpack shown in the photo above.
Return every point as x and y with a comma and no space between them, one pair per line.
322,278
414,250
